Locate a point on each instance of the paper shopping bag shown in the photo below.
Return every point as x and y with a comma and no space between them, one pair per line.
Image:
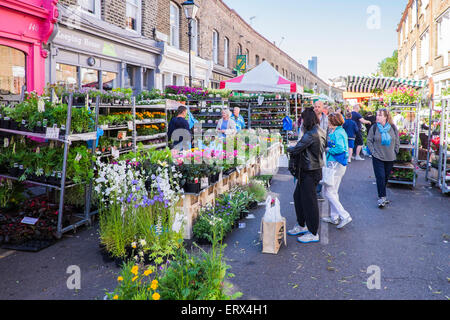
272,235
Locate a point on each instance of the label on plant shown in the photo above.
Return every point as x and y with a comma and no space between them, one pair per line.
241,225
52,133
203,104
204,183
29,220
5,143
87,101
130,125
221,176
38,150
41,105
78,157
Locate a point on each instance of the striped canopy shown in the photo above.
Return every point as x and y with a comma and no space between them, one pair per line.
370,83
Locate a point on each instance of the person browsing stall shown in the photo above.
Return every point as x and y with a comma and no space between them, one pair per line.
178,122
226,126
236,117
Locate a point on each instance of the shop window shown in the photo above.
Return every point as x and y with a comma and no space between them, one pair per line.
67,75
257,60
130,76
133,18
148,82
89,78
109,80
174,25
12,70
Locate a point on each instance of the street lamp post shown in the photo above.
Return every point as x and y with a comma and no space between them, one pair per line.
190,9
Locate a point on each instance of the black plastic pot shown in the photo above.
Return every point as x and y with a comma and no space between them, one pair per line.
191,187
13,125
13,172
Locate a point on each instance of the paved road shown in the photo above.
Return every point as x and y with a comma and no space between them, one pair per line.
407,241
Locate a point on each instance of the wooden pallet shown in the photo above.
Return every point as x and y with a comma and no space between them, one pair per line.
192,203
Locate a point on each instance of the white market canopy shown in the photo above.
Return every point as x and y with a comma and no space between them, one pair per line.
262,78
370,83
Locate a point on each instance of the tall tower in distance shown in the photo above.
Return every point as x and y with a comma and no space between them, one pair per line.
312,65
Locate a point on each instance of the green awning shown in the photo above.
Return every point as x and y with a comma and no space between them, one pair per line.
369,83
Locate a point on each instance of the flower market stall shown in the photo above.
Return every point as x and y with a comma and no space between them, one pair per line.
438,143
264,112
404,100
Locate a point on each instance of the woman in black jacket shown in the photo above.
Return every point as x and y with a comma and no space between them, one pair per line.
306,165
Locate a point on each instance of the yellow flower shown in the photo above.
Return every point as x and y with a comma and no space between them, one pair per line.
147,272
134,270
120,278
154,286
133,245
134,278
156,296
155,281
116,297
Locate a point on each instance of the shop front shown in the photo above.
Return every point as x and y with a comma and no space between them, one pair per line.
25,27
101,57
173,68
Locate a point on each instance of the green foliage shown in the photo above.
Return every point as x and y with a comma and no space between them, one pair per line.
388,66
198,277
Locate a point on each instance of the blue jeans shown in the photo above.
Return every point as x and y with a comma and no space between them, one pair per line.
382,170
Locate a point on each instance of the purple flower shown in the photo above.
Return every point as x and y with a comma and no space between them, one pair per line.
153,177
152,202
134,182
136,206
138,188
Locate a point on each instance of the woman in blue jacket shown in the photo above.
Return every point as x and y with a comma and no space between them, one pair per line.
337,157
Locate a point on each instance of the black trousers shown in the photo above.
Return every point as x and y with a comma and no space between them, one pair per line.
305,200
382,170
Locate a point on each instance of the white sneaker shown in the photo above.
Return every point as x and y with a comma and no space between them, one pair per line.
359,158
349,160
344,222
297,230
329,220
381,202
309,237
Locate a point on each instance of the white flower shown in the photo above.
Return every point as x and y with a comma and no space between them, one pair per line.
143,242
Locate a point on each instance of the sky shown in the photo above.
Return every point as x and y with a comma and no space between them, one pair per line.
349,37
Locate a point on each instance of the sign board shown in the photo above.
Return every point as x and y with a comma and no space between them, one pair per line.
241,62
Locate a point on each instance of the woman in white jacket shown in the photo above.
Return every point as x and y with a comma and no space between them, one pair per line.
226,126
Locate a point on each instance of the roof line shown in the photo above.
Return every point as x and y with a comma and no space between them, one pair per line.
404,14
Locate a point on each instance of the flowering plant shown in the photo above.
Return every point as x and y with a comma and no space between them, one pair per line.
401,96
195,93
135,283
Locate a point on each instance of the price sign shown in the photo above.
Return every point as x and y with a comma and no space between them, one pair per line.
204,183
29,220
52,133
5,143
41,105
115,152
78,157
130,125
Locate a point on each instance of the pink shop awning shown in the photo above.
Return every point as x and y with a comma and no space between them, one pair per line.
262,78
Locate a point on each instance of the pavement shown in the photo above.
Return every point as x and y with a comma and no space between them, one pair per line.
399,252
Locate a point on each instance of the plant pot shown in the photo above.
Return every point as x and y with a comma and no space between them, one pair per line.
4,123
13,171
13,125
191,187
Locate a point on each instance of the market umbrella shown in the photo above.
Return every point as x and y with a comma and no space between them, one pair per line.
262,78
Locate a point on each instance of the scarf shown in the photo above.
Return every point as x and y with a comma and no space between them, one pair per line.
385,136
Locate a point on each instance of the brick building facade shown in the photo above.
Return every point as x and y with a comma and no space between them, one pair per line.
424,42
164,22
241,38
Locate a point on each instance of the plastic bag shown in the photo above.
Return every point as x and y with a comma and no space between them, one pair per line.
328,173
272,213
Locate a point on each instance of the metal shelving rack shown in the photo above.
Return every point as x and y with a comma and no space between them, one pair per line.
442,179
167,106
196,106
85,218
414,146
